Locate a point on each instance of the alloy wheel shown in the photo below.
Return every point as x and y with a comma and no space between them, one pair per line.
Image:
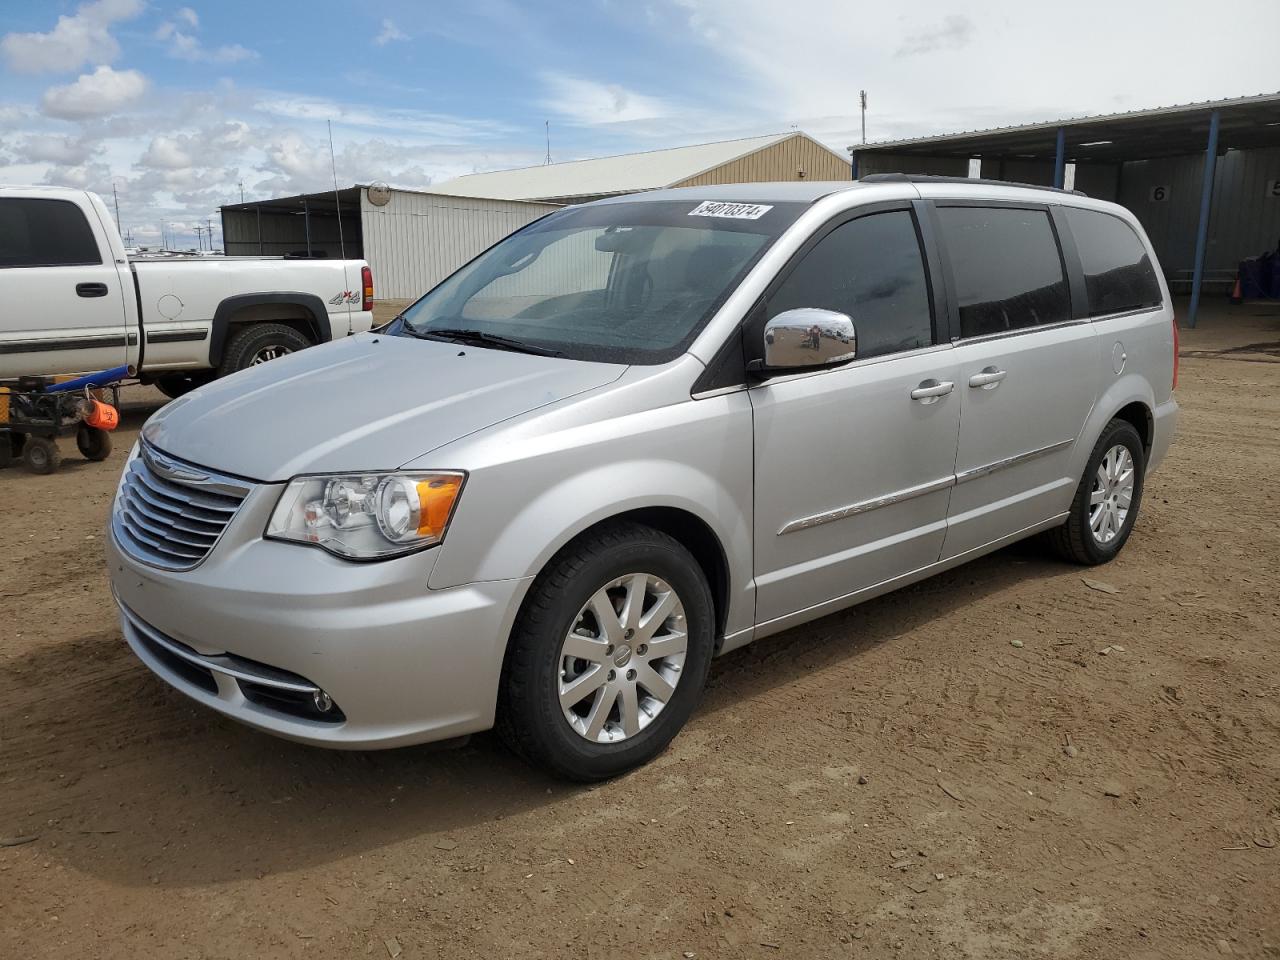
1112,494
273,352
622,658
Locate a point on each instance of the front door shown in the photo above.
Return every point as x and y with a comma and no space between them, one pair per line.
1028,372
854,464
63,307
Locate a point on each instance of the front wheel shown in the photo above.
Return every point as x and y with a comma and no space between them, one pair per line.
93,442
1106,503
609,655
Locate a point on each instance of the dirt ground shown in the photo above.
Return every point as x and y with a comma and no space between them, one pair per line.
162,830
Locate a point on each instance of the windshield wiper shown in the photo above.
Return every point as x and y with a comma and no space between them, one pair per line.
480,338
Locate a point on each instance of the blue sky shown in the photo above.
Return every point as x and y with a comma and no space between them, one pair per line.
179,103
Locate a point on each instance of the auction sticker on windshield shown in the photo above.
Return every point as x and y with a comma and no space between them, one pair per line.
735,211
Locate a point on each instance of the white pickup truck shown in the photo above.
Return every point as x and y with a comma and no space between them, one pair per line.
72,301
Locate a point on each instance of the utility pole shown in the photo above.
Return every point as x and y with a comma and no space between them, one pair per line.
208,232
242,191
548,157
199,230
862,97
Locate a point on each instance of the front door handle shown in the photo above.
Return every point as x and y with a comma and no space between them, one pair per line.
930,390
988,379
91,289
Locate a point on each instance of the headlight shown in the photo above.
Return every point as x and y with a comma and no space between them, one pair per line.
367,516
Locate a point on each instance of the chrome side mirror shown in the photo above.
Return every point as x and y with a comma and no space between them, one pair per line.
808,337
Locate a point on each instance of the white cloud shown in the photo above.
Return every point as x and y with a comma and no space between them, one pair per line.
389,32
187,46
54,148
94,94
590,102
954,32
82,38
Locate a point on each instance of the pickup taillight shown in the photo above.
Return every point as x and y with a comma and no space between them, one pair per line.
366,284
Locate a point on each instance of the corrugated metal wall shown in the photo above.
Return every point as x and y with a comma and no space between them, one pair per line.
781,161
284,233
418,239
1245,222
875,162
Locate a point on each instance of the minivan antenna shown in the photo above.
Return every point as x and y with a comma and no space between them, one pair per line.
337,201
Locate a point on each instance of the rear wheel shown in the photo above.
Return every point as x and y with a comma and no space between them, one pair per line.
260,343
93,443
41,455
1106,503
609,655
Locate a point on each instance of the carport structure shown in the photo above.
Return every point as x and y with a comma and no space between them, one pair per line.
1196,165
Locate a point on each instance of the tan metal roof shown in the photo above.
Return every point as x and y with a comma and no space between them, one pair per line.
628,173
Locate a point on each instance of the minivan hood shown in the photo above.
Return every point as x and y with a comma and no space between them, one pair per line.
369,402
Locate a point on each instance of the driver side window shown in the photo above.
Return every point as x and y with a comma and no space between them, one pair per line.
871,269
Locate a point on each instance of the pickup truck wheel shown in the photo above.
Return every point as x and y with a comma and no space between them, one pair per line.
174,385
41,455
260,343
609,655
93,443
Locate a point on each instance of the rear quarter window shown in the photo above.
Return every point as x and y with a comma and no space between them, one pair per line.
1007,268
1118,273
45,233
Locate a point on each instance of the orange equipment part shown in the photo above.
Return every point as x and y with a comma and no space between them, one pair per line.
102,415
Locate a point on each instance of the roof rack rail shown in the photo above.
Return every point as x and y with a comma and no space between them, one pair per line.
935,178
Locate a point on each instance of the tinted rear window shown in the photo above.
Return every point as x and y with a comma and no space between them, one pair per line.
1118,274
1007,269
44,233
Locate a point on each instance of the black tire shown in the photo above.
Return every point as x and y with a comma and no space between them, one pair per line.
1074,540
93,443
256,338
41,455
175,385
530,718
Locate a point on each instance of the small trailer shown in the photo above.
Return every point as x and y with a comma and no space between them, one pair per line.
35,413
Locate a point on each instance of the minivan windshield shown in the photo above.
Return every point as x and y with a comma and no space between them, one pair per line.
628,282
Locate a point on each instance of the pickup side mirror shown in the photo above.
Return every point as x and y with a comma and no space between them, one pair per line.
807,338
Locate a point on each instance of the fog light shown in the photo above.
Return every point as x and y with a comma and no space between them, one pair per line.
322,701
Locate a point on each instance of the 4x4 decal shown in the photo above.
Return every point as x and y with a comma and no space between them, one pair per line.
346,296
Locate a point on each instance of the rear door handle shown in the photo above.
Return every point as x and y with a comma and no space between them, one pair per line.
91,289
930,390
988,379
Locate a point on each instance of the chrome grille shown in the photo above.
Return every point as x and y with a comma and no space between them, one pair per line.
169,513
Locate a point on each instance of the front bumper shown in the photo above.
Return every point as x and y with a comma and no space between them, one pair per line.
402,663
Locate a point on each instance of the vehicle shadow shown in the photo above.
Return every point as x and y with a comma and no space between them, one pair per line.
138,785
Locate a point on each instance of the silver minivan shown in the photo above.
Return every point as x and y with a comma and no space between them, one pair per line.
637,434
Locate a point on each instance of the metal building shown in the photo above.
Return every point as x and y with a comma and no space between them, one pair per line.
1204,178
781,156
414,239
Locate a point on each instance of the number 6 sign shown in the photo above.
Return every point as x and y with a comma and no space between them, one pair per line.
1160,193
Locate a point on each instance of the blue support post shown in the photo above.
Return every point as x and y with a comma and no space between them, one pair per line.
1060,160
1206,207
853,161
